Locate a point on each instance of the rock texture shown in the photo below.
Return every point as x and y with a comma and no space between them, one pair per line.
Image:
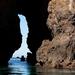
60,51
57,38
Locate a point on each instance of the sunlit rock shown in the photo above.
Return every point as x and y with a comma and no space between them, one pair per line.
60,52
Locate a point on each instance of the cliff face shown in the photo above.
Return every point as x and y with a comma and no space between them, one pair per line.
54,30
60,51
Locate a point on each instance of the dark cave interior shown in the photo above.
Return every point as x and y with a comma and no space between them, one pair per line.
10,36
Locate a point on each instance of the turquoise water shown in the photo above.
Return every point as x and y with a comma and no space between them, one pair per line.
16,67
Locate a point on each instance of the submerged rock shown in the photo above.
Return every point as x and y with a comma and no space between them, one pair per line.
22,58
60,51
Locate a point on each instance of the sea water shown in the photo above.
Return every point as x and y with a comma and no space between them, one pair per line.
17,67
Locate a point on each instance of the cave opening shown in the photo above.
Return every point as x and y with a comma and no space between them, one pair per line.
23,50
38,30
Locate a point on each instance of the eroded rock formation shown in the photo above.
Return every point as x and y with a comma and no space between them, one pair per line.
56,36
60,51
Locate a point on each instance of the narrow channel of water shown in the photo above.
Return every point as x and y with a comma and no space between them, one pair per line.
16,67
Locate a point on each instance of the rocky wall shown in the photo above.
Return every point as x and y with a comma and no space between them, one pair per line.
60,51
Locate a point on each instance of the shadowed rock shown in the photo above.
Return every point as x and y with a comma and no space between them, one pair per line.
10,36
22,58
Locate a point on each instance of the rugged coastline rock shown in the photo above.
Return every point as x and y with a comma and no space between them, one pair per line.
60,51
57,38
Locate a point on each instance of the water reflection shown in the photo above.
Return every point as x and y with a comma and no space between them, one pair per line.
44,71
16,67
19,68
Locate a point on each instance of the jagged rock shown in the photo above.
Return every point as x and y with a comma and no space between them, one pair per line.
60,51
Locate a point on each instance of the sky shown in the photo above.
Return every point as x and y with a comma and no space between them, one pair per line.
24,31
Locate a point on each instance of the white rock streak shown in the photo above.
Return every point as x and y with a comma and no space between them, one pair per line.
70,4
